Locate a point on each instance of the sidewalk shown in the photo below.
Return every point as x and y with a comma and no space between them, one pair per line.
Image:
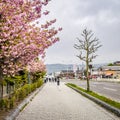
62,103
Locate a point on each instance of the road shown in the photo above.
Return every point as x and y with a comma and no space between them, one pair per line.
108,89
62,103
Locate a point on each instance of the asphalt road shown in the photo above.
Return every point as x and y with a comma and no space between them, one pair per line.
108,89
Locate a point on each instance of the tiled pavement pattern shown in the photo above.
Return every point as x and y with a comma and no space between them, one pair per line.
62,103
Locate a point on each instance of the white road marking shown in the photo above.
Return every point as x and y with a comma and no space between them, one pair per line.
93,85
110,89
110,85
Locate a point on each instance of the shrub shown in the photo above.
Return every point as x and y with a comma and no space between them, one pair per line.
22,93
2,104
12,102
39,83
27,88
18,95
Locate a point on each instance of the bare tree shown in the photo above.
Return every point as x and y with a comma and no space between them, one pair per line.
87,47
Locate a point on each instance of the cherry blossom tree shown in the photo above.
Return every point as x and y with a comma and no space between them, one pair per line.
37,69
20,40
36,66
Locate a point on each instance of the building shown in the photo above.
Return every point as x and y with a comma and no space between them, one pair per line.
111,71
67,74
117,63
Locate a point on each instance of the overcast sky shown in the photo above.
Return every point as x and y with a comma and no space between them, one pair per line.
101,16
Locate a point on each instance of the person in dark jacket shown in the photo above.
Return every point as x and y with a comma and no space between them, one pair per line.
58,81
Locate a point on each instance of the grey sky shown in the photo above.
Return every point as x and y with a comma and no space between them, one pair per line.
101,16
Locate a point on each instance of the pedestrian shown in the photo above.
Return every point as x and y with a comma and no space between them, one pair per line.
55,79
58,81
49,79
45,81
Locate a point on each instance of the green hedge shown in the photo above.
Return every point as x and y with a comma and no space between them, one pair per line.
18,95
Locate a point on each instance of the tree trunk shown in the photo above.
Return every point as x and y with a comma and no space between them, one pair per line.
87,72
1,85
88,86
1,91
9,90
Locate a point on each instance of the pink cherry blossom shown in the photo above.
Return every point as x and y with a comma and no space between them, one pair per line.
21,41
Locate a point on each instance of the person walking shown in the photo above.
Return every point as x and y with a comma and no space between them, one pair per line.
58,81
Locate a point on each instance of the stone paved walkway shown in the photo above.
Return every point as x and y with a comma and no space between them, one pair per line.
62,103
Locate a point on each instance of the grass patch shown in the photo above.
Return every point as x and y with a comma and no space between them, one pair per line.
96,95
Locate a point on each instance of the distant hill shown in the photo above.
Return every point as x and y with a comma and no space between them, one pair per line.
51,68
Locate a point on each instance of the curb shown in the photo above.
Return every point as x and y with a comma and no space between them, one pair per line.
99,102
15,112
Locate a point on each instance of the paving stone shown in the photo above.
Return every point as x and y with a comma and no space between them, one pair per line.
62,103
